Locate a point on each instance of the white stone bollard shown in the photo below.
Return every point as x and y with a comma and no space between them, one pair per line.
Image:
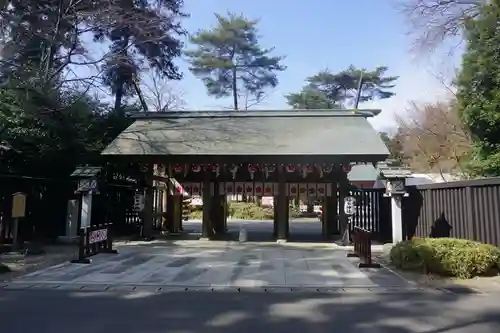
243,233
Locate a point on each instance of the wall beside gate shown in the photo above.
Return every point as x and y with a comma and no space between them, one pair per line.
462,209
46,205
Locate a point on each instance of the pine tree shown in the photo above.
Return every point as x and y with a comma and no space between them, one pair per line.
230,60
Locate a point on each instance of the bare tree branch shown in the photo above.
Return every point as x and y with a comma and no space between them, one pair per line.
433,137
432,22
162,95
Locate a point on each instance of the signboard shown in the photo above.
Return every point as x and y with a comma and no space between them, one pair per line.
18,205
139,201
350,205
98,236
87,185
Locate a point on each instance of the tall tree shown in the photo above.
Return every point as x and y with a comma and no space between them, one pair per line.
478,87
150,32
231,62
327,90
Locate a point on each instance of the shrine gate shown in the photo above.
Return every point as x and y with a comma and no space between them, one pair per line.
282,154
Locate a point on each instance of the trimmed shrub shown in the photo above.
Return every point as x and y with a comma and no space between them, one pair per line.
446,256
247,211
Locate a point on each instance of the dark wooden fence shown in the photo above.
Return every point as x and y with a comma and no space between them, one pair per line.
462,209
373,213
46,206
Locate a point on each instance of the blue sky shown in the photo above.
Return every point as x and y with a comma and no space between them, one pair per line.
319,34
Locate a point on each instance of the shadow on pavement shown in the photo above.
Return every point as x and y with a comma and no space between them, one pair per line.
51,311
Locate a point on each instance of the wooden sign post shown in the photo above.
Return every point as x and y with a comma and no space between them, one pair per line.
18,212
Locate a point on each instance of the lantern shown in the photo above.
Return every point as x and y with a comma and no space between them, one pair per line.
290,168
178,168
196,168
268,169
215,168
327,168
306,169
233,169
252,168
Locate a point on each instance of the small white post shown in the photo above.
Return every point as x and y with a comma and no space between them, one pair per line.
86,211
397,218
243,233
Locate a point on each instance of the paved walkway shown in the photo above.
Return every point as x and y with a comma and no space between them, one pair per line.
221,264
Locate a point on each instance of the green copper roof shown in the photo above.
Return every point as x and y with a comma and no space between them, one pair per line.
257,133
363,172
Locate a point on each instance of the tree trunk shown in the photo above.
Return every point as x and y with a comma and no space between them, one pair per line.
118,98
235,90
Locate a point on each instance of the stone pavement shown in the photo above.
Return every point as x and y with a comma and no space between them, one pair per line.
219,264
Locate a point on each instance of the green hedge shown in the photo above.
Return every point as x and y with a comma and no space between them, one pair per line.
246,211
446,256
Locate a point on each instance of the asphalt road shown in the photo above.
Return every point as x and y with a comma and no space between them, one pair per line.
46,311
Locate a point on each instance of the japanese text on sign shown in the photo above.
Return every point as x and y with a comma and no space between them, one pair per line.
98,236
349,205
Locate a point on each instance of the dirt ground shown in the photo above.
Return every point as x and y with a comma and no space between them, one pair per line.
19,264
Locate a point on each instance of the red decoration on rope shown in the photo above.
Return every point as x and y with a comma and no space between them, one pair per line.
252,168
178,168
290,168
196,168
270,167
215,167
309,168
346,168
327,168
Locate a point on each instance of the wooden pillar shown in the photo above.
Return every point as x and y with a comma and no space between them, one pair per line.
169,210
226,211
176,214
343,188
147,231
206,225
282,218
275,216
164,209
217,211
330,218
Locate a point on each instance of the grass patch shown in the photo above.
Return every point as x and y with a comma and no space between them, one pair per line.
448,257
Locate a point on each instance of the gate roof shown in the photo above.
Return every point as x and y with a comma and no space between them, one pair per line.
268,135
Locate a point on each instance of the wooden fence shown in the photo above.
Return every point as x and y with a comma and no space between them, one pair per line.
462,209
46,205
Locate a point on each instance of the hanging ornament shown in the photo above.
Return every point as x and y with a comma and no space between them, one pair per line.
290,168
216,168
320,170
306,169
268,169
196,168
346,168
327,168
252,168
233,169
178,168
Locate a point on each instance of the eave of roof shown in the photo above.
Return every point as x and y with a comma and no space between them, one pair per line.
272,133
